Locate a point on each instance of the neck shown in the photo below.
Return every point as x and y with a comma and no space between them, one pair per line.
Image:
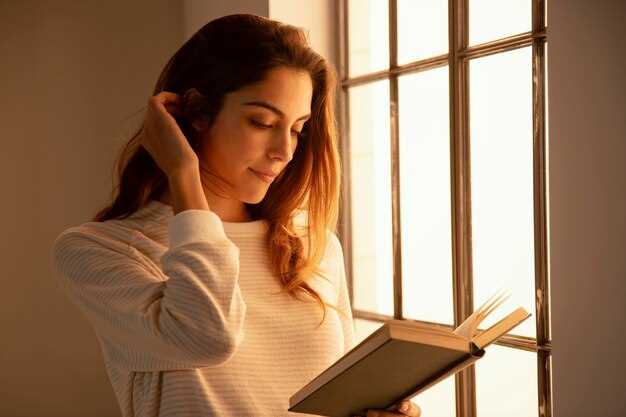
229,210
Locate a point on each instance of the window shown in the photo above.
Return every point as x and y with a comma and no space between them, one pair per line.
443,117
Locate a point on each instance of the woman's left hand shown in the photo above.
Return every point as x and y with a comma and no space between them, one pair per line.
412,410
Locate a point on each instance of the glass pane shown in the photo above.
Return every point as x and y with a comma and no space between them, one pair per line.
368,36
490,20
425,196
371,197
363,328
501,148
506,383
438,400
422,29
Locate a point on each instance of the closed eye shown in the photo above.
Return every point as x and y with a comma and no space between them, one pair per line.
264,126
254,122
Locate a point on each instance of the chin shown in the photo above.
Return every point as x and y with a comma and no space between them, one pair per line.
254,198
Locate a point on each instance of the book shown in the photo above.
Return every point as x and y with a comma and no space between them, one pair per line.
400,360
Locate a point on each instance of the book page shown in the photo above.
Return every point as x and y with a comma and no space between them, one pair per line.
469,327
500,328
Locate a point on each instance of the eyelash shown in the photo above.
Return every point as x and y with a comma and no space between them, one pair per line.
262,126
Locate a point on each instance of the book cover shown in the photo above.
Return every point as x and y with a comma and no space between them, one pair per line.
398,361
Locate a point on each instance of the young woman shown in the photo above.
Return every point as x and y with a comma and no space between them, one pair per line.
202,286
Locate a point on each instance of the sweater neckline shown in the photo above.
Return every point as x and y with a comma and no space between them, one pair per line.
159,210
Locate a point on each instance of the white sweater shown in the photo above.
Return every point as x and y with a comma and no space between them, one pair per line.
188,314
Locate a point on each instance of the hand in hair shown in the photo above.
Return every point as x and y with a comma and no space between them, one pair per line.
163,138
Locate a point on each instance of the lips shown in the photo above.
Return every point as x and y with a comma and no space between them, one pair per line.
266,176
268,173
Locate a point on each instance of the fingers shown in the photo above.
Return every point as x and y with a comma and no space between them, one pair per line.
168,101
413,410
167,96
381,413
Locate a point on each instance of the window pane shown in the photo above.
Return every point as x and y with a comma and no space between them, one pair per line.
438,400
422,29
506,383
490,20
501,151
368,36
425,196
371,197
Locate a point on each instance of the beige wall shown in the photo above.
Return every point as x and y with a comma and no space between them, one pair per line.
72,73
196,13
587,127
319,20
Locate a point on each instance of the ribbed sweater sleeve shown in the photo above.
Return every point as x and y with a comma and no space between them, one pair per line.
189,315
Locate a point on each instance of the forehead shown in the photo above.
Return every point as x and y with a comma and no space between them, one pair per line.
287,89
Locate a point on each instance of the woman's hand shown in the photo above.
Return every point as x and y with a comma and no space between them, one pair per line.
411,410
162,137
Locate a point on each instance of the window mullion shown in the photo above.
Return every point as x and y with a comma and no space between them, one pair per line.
542,289
458,33
395,161
345,217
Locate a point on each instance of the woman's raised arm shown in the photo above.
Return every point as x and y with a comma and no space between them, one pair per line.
191,315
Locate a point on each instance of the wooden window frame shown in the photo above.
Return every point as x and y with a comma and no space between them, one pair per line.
457,60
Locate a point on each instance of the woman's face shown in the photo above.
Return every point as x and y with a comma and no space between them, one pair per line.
256,130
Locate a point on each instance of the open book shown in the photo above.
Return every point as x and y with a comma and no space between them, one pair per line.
400,360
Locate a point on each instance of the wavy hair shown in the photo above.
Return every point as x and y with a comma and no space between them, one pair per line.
225,55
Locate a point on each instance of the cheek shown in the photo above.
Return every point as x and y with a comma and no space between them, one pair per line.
227,147
250,146
233,146
235,154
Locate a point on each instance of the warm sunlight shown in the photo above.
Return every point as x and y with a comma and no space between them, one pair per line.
501,145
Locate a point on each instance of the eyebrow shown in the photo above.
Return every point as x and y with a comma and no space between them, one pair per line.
272,108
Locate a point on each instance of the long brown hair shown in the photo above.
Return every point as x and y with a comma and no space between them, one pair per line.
225,55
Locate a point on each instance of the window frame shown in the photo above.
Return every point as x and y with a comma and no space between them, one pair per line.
458,57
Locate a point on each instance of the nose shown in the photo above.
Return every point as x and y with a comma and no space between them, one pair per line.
283,145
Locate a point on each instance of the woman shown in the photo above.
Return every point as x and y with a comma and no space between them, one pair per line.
198,280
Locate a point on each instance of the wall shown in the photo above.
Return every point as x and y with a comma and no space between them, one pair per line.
73,75
587,162
196,13
318,19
